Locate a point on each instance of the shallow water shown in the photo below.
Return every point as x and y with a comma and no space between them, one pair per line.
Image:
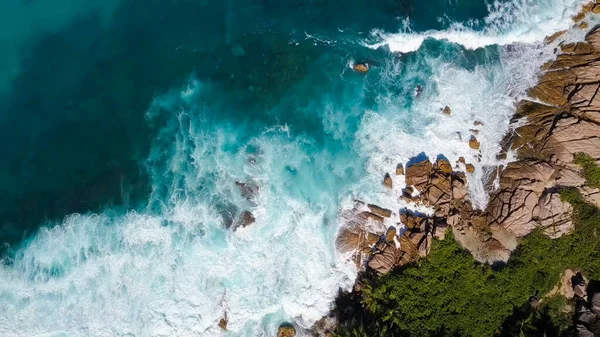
127,124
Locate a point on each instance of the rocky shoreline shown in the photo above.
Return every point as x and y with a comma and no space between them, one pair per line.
560,120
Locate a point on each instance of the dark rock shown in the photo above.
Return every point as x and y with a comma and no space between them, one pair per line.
382,212
399,169
387,181
247,218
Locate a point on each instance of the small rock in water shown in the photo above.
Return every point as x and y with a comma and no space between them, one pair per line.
474,143
387,180
249,190
286,331
461,160
418,91
247,219
237,50
474,131
223,323
470,168
399,169
478,123
361,67
447,110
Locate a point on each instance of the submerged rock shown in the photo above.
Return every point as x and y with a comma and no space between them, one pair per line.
247,218
248,190
447,110
418,91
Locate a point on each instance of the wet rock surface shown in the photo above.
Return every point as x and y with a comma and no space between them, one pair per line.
286,331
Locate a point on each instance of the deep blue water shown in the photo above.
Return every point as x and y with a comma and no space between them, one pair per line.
73,122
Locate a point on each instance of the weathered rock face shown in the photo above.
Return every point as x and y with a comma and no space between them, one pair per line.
384,258
569,120
566,122
418,174
524,201
517,204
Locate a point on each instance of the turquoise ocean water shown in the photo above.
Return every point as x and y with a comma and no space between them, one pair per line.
126,125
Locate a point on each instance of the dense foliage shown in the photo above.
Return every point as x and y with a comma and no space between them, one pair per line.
589,168
450,294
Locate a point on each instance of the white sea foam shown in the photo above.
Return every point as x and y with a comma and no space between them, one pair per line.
488,93
521,21
178,273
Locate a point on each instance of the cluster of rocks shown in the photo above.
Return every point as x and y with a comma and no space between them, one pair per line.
438,186
284,330
563,121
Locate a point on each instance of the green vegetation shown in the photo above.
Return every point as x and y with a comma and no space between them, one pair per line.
590,170
450,294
